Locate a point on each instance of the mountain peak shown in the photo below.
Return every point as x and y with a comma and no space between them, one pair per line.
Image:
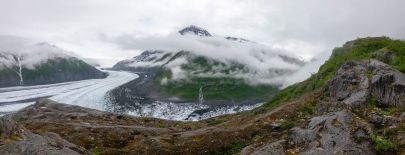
195,30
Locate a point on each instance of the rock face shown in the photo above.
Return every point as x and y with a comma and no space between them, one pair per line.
194,30
387,84
356,82
15,139
328,134
351,84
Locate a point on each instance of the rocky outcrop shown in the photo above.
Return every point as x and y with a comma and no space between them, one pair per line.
387,84
328,134
195,30
356,82
351,85
15,139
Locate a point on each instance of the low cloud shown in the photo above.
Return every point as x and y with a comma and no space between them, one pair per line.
265,64
30,52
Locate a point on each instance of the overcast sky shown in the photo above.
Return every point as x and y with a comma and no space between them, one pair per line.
309,28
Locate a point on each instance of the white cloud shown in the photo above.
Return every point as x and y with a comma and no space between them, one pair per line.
31,52
307,28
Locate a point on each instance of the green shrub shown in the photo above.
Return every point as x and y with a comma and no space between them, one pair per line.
382,145
96,151
285,124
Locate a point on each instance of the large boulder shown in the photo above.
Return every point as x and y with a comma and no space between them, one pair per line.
357,81
351,84
387,84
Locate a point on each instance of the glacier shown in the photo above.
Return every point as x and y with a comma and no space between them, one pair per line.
92,94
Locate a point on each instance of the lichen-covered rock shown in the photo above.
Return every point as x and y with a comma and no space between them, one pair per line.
16,140
387,85
7,127
351,84
328,134
383,120
356,81
274,148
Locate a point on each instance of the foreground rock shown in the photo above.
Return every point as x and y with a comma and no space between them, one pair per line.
364,100
387,84
16,140
356,82
329,134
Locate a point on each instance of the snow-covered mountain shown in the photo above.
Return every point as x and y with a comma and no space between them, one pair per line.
195,30
219,70
26,62
249,61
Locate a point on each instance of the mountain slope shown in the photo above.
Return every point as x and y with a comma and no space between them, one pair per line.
26,63
185,76
380,48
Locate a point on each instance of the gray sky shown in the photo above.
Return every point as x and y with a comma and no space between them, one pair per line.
307,28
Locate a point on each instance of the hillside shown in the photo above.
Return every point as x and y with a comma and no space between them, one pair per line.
355,104
381,48
23,62
201,77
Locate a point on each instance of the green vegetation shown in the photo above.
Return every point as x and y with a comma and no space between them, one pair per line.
51,67
219,89
218,120
51,71
360,49
15,137
96,150
308,110
373,102
285,124
201,64
382,145
214,88
236,147
386,113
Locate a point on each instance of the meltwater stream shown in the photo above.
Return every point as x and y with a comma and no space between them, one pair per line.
92,94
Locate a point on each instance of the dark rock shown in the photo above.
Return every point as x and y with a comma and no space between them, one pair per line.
195,30
7,127
376,119
360,135
387,85
350,84
383,120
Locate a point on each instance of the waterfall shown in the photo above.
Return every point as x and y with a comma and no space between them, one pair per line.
201,96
